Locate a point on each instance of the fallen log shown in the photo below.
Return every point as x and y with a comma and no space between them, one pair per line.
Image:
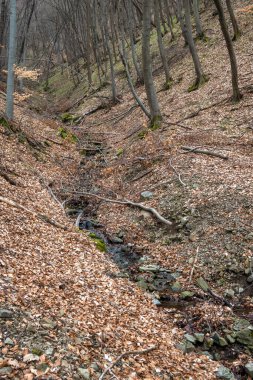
203,151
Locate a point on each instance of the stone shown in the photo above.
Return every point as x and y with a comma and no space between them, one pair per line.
200,337
202,284
84,372
116,240
190,338
250,279
142,284
219,340
156,302
241,324
224,373
249,369
49,351
9,342
147,195
206,353
229,293
208,343
186,347
186,294
42,367
5,371
150,268
31,358
48,324
176,287
230,339
6,314
95,367
245,337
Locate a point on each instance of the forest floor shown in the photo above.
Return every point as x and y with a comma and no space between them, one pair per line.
72,301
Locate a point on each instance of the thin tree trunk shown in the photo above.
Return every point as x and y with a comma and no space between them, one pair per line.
147,67
200,78
236,29
224,28
200,33
11,59
168,77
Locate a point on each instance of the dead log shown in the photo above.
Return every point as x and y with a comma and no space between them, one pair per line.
203,151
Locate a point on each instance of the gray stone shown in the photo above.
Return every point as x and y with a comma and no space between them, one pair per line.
229,293
250,279
147,195
208,343
176,287
6,314
186,294
230,339
249,369
241,324
206,353
219,340
9,342
200,337
49,351
5,371
95,367
116,240
142,284
186,347
84,373
190,338
31,358
245,337
150,268
156,302
224,373
202,284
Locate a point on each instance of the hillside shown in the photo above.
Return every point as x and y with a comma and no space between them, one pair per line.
85,279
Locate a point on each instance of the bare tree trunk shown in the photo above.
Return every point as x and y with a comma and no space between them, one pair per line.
156,116
200,33
11,59
2,32
168,77
236,92
200,77
236,29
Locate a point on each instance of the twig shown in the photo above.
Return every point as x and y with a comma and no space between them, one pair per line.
202,151
176,172
78,219
194,264
42,217
128,203
108,369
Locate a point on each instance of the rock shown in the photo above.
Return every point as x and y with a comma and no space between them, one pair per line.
42,367
186,347
5,371
9,342
116,240
142,284
48,324
229,293
186,294
190,338
249,369
84,373
6,314
224,373
219,340
245,337
202,284
206,353
200,337
147,195
31,328
37,351
250,279
156,302
230,339
241,324
49,351
31,358
176,287
208,343
150,268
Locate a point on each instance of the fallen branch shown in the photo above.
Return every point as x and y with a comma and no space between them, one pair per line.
128,353
194,264
176,172
78,219
42,217
128,203
7,178
203,151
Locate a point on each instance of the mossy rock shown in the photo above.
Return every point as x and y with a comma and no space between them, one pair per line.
69,117
100,244
65,134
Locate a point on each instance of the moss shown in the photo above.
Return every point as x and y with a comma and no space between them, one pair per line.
142,134
155,122
65,134
198,83
168,84
100,244
5,123
119,152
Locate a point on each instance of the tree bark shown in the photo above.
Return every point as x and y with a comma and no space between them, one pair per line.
236,92
11,60
236,29
155,112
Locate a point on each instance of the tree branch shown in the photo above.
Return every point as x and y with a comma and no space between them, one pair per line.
203,151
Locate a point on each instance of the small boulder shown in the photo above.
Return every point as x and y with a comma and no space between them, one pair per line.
245,337
229,293
224,373
147,194
176,287
150,268
219,340
190,338
9,342
200,337
186,294
250,279
31,358
6,314
249,369
84,373
5,371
